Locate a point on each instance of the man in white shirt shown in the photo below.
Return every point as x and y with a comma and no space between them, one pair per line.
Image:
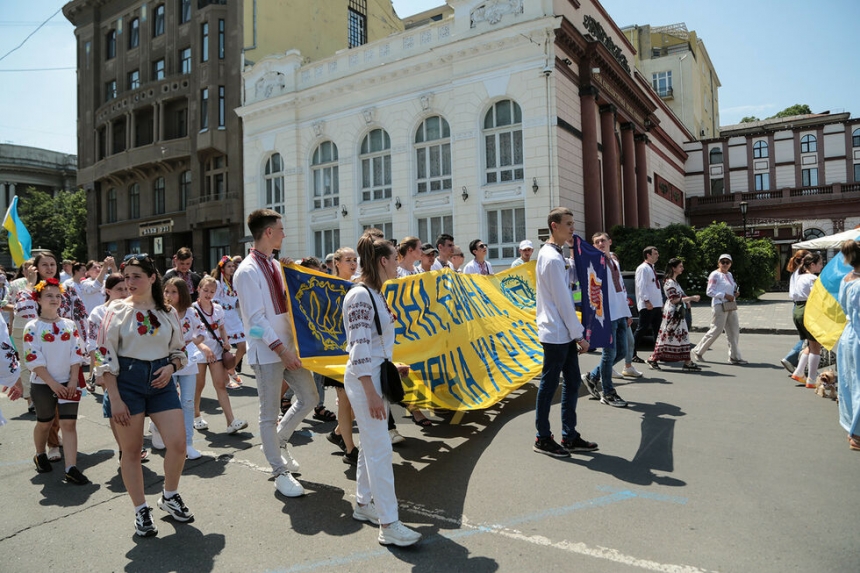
91,288
445,246
649,300
66,273
621,319
479,265
427,260
526,249
561,336
271,349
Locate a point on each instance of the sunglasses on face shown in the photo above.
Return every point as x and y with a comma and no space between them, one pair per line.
725,262
135,256
482,246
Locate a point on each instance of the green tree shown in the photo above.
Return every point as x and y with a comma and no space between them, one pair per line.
749,119
753,261
56,223
796,109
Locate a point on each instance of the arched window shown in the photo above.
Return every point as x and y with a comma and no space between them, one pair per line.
376,166
855,138
503,142
760,149
716,155
433,155
808,144
812,233
274,178
324,175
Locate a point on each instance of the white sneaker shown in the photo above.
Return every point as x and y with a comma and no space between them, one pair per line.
397,534
366,513
157,441
287,485
289,461
200,423
631,372
395,436
191,453
616,374
236,425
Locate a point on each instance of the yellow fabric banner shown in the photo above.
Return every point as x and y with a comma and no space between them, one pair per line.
470,340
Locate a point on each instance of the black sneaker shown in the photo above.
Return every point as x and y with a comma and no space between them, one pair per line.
612,399
652,364
590,385
75,476
143,525
42,463
578,445
351,458
549,447
175,507
637,360
336,440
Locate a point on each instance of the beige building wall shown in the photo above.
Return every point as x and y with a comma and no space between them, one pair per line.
275,26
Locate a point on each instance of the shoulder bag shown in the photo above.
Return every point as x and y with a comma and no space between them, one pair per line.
729,306
391,384
227,358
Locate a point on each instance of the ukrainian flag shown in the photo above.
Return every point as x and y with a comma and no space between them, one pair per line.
19,238
823,317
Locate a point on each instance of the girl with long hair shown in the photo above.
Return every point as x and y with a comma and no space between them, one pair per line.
673,340
807,274
229,301
791,359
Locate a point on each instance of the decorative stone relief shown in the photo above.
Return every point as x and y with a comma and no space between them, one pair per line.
318,72
493,11
266,86
353,60
426,37
369,114
319,127
332,67
425,100
384,50
368,55
306,76
444,31
408,42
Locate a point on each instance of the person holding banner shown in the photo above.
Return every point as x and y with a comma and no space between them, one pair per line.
561,336
479,265
848,351
363,308
271,348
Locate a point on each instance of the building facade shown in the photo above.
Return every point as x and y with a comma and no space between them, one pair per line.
476,121
677,63
798,178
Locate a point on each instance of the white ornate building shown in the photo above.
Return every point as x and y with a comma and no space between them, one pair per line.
476,124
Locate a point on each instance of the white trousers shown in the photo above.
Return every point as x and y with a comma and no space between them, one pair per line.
722,320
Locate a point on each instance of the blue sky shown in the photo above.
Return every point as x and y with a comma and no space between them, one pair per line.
769,54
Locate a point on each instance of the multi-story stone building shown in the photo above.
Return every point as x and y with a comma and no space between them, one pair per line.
159,143
680,70
476,120
796,177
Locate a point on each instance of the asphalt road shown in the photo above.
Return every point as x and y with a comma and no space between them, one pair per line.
732,469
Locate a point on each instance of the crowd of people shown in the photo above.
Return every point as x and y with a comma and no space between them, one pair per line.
149,342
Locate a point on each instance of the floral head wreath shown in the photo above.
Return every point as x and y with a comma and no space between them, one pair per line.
224,260
40,286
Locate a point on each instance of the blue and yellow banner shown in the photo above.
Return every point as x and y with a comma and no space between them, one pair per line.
590,265
470,340
823,316
19,238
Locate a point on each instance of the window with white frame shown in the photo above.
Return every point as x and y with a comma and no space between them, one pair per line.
505,229
431,227
809,177
376,166
387,228
274,181
715,156
185,60
662,83
808,144
326,241
324,175
433,155
760,149
503,142
762,181
855,138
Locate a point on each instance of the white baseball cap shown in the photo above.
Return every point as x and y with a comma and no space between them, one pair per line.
526,244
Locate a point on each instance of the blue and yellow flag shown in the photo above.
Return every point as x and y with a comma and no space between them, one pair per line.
19,238
469,340
823,316
590,264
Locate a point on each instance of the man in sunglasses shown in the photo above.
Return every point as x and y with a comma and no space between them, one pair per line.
479,265
182,261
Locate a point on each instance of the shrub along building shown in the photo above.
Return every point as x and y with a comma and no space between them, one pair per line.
475,120
796,177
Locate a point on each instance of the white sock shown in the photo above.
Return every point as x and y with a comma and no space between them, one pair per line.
814,359
68,468
801,365
168,494
139,507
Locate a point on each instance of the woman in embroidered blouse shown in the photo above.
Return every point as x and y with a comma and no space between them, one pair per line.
10,371
140,347
799,290
673,341
375,496
410,252
53,352
722,288
114,289
229,301
213,349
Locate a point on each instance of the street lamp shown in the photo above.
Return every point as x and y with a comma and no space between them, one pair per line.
744,206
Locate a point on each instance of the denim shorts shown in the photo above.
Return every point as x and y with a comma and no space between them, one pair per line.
134,383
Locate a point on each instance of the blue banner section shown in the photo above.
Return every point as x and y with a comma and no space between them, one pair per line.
590,265
316,300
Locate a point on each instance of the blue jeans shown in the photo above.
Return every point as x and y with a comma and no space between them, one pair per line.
187,384
612,354
558,359
793,356
631,347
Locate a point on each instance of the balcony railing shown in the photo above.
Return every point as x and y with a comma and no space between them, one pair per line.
776,196
666,93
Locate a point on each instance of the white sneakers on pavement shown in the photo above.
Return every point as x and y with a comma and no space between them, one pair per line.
191,453
157,441
289,461
366,513
288,486
397,534
395,436
617,374
631,372
236,425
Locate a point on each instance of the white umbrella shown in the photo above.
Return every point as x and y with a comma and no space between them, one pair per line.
830,241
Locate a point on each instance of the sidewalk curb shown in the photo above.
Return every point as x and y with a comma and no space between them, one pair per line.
753,330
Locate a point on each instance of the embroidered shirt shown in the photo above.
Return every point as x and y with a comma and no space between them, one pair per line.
56,345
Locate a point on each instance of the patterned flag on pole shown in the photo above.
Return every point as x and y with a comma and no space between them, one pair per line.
591,273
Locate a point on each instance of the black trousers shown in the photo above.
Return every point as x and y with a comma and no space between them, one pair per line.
649,320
